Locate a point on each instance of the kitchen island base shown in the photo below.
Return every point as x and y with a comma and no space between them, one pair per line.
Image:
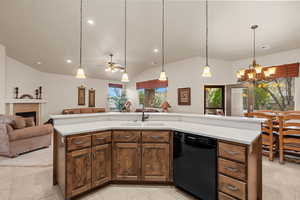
88,161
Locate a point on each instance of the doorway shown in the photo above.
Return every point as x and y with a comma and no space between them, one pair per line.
239,99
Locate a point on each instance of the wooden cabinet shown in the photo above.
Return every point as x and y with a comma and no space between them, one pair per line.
126,161
101,164
78,172
155,162
141,156
240,168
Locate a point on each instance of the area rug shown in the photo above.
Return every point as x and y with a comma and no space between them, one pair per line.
38,158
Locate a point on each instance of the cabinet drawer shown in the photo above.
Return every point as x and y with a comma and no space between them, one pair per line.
155,136
233,169
223,196
232,186
78,142
126,136
101,138
232,152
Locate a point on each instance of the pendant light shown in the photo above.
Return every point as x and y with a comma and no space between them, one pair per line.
80,71
206,70
125,78
163,76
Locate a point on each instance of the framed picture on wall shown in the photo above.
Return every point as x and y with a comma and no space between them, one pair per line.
184,96
92,95
81,95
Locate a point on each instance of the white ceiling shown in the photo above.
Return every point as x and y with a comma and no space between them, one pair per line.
48,31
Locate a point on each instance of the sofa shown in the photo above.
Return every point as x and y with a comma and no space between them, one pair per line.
82,110
19,135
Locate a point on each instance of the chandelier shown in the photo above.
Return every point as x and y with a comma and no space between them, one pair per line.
113,67
255,71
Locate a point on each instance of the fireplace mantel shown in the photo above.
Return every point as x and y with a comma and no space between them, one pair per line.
13,101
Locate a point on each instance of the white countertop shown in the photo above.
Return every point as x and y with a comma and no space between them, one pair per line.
243,136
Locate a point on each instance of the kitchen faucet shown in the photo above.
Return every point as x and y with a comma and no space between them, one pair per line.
144,117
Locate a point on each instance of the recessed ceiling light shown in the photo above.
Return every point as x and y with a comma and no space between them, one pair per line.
69,61
155,50
91,22
39,63
265,47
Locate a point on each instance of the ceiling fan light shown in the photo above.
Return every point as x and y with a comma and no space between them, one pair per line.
80,73
206,72
125,78
162,76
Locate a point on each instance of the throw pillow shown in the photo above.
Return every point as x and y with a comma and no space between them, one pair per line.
19,122
29,121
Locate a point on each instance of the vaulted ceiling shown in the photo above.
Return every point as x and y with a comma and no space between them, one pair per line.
47,31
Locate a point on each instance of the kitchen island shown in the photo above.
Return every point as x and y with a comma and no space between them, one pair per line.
92,150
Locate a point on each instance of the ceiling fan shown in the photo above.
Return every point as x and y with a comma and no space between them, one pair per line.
113,67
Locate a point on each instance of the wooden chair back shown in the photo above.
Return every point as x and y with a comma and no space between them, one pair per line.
267,126
289,124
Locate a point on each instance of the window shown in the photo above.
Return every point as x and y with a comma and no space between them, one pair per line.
116,97
214,99
277,94
153,97
152,93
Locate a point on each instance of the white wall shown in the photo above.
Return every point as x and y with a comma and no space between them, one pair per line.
22,76
2,78
284,57
186,73
59,90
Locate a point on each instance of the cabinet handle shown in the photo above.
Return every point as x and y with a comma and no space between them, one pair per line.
232,152
78,142
94,155
100,138
125,136
232,187
156,137
232,169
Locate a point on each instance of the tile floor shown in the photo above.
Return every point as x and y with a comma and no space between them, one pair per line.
280,182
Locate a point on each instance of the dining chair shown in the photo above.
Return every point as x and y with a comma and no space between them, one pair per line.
270,138
289,138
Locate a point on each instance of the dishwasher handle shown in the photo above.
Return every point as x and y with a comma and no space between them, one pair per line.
200,141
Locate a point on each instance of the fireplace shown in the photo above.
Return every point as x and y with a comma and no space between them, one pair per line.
26,108
27,114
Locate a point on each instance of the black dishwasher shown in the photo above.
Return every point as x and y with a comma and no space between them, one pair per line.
195,165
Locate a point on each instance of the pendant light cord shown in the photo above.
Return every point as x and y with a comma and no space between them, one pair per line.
125,36
206,21
163,36
81,21
254,40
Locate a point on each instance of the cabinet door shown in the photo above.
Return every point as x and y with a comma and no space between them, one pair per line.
156,162
101,164
78,172
126,161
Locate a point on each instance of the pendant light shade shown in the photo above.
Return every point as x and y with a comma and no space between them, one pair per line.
80,71
206,70
125,78
163,75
